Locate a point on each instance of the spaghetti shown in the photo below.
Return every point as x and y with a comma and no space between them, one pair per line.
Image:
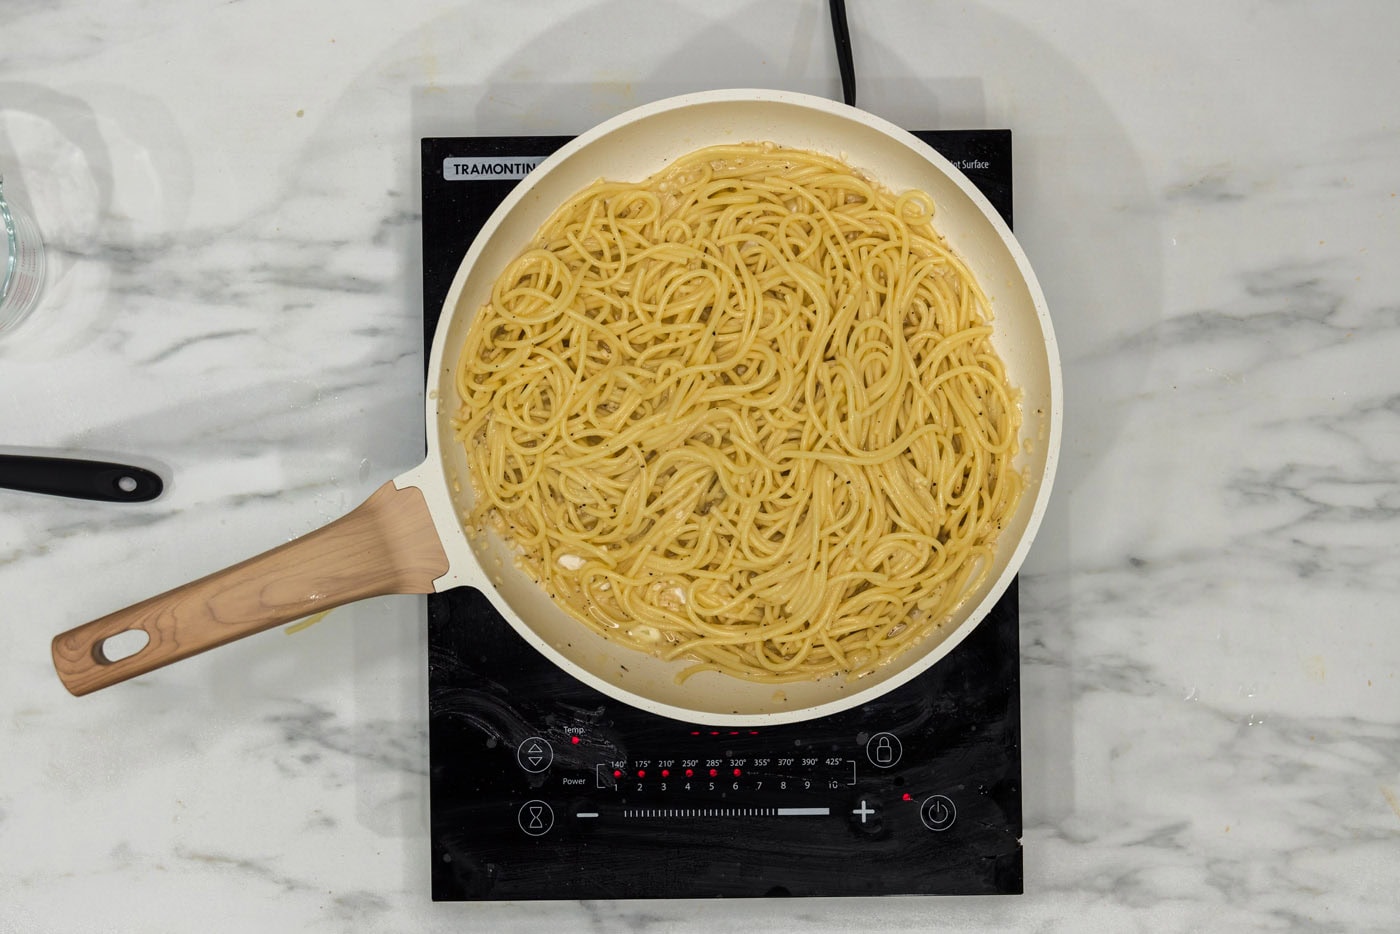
745,413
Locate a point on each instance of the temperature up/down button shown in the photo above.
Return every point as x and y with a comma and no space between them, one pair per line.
534,754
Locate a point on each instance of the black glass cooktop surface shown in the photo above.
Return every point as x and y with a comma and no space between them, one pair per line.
543,788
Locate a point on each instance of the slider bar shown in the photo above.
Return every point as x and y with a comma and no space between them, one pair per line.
723,812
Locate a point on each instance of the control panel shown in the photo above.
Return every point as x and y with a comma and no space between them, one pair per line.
544,788
721,775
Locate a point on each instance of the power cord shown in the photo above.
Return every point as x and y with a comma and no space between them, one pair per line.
842,34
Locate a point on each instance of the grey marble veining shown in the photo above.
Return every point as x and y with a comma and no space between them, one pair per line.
1211,664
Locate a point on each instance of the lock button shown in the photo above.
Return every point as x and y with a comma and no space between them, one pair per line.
883,750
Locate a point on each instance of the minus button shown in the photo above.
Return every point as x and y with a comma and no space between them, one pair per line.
586,814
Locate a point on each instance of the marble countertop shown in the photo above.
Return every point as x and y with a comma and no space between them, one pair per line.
1210,647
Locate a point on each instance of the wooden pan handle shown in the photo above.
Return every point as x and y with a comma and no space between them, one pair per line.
387,545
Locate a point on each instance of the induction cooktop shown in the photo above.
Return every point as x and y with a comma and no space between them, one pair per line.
543,788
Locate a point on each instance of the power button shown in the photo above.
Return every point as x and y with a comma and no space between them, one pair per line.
937,812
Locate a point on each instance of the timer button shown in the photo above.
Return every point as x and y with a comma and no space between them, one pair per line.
536,818
937,812
534,754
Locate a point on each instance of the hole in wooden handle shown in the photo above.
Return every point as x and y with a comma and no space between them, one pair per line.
122,645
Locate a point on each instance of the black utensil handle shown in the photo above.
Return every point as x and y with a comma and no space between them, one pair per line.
80,479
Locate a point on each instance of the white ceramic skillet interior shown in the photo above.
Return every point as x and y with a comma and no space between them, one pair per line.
633,146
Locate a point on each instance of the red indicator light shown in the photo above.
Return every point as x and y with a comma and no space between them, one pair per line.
641,773
733,732
665,773
714,772
575,740
714,732
617,773
689,773
908,796
738,772
753,732
694,732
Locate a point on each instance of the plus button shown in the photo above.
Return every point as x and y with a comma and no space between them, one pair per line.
864,810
